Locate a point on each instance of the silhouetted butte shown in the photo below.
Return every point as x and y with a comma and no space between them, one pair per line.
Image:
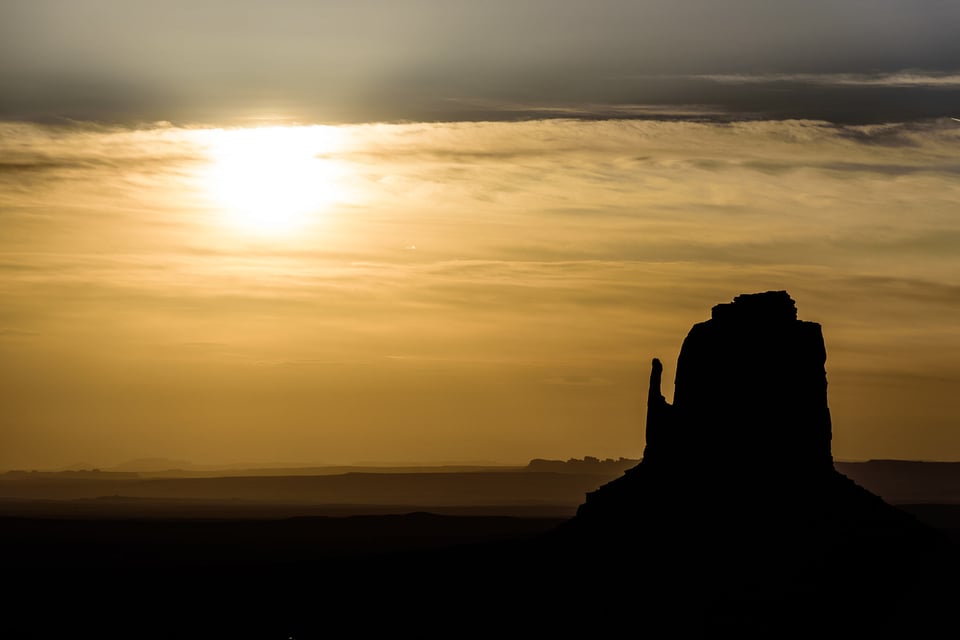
736,517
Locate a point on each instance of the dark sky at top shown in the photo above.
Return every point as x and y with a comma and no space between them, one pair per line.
365,60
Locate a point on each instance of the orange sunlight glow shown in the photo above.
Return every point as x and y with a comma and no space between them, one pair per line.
271,181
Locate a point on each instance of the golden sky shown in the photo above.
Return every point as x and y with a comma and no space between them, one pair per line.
456,291
442,230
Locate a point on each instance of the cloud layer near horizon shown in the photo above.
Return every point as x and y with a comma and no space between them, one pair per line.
473,290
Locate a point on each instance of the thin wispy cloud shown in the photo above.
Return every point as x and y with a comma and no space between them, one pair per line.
919,78
596,110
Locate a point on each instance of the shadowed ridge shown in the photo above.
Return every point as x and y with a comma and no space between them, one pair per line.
736,508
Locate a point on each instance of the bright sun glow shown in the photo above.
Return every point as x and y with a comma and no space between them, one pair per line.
272,180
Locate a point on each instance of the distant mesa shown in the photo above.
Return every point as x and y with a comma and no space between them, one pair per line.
587,464
152,464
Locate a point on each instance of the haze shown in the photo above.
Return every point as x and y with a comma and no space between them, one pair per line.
347,232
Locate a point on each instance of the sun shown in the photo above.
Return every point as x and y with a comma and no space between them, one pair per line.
271,180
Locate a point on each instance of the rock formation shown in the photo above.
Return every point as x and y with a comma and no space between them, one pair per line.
750,392
749,424
736,504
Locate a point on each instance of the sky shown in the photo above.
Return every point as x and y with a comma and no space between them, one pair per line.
348,232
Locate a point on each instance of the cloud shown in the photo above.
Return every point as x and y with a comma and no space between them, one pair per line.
578,381
902,79
551,255
595,110
477,193
14,332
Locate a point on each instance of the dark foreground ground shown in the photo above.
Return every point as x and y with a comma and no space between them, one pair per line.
417,573
429,575
451,555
